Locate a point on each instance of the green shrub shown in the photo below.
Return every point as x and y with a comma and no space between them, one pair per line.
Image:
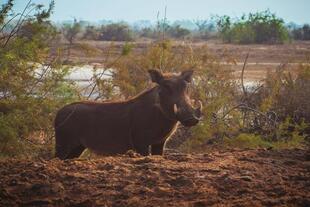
178,32
251,141
260,27
286,94
116,32
148,32
31,86
175,31
91,33
243,33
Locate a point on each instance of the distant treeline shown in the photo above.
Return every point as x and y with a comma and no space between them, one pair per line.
259,27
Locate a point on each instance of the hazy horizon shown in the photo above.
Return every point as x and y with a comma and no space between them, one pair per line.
135,10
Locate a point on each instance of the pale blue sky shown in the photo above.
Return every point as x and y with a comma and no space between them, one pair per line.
133,10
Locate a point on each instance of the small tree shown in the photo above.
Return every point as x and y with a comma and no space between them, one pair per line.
260,27
148,32
224,28
204,28
178,32
70,32
91,33
116,32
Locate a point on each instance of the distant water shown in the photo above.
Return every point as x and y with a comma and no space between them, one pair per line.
86,73
83,76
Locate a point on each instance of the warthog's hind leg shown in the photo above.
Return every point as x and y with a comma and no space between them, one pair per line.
75,152
63,152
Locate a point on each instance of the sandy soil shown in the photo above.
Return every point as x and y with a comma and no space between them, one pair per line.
295,52
227,178
262,58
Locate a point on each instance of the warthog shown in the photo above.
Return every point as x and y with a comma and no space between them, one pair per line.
110,128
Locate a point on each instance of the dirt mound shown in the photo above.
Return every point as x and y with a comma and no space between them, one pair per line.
231,178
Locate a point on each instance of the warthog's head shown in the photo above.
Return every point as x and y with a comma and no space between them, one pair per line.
173,97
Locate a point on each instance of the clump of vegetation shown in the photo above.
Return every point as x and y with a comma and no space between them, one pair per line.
302,33
170,31
260,27
205,29
116,32
91,33
178,32
254,141
70,32
286,94
31,86
275,114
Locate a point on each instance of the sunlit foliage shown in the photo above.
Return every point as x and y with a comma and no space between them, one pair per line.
31,86
259,27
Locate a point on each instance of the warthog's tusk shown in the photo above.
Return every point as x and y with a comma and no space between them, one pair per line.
175,109
199,106
198,113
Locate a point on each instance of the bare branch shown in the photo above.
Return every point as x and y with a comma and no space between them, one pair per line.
242,76
8,22
18,24
103,73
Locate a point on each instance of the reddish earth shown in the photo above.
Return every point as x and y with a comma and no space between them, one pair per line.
228,178
295,52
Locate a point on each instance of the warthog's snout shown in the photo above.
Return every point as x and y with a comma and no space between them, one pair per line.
188,116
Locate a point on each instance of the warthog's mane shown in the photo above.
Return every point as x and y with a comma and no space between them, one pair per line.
130,99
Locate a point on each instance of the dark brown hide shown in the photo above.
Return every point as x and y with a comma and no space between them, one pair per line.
111,128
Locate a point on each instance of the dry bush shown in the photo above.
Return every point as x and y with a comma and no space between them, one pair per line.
287,95
31,81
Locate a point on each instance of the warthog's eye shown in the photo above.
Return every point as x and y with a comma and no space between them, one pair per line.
184,86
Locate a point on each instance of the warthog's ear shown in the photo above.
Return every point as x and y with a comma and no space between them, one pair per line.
187,75
156,76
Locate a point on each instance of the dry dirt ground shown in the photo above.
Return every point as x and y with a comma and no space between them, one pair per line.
295,52
227,178
263,58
